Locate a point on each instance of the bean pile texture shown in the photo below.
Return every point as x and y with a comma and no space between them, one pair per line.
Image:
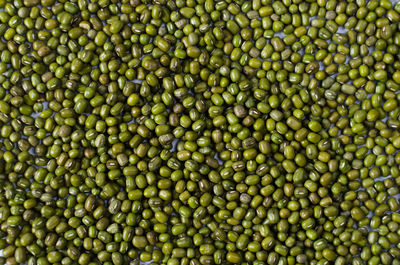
199,132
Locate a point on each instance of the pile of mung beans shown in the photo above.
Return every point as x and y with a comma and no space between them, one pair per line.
199,132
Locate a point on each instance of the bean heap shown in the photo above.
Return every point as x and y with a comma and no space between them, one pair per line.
195,132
